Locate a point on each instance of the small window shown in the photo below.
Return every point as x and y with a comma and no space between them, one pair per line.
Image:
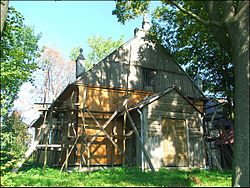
148,78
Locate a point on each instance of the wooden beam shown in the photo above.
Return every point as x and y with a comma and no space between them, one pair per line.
121,98
107,135
68,154
140,142
208,148
213,156
105,125
43,131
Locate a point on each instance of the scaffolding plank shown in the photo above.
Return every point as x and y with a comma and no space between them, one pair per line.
140,142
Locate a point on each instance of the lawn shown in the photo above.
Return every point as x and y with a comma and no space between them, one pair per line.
116,177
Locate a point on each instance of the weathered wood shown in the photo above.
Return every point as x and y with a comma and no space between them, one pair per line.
83,129
46,153
121,98
208,148
105,125
168,70
140,142
68,154
215,159
110,139
44,129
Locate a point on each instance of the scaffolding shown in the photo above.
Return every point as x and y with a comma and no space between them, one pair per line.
63,133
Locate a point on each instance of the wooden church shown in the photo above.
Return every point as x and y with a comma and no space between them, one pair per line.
136,107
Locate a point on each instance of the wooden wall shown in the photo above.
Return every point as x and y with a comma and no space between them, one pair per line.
101,102
174,132
124,68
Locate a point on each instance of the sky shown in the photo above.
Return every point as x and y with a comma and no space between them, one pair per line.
65,25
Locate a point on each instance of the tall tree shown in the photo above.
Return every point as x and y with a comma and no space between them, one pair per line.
228,21
194,46
53,75
14,141
99,48
18,52
4,10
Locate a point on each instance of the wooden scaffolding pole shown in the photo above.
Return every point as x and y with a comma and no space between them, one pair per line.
44,129
209,149
83,131
140,142
107,135
105,125
82,105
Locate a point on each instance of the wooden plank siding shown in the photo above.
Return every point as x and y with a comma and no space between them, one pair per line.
174,132
137,69
129,61
101,102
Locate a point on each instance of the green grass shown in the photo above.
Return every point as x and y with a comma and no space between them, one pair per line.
116,177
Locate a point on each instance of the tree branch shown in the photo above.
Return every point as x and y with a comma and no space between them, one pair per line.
221,35
229,11
196,17
242,9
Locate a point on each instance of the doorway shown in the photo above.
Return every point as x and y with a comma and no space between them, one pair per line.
174,142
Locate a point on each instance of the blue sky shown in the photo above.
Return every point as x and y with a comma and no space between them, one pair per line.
67,24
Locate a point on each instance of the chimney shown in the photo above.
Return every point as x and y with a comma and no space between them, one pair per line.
145,23
198,81
145,27
80,70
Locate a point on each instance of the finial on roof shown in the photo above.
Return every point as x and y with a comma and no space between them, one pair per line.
79,64
198,80
145,22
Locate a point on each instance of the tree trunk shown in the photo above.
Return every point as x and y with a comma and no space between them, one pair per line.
239,33
4,11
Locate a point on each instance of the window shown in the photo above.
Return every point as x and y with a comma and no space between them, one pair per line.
148,78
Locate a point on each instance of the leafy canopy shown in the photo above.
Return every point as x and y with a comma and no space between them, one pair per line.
19,50
100,48
191,42
14,141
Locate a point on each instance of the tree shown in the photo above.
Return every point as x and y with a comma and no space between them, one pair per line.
14,141
4,9
18,52
100,48
194,46
228,21
53,75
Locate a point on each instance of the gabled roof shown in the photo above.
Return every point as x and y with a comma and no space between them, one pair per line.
123,46
103,59
154,97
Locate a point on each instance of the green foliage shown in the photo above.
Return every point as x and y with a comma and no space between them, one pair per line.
14,141
194,46
126,10
192,43
100,48
18,52
117,177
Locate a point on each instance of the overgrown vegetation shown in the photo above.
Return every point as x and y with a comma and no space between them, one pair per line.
19,49
14,139
116,177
